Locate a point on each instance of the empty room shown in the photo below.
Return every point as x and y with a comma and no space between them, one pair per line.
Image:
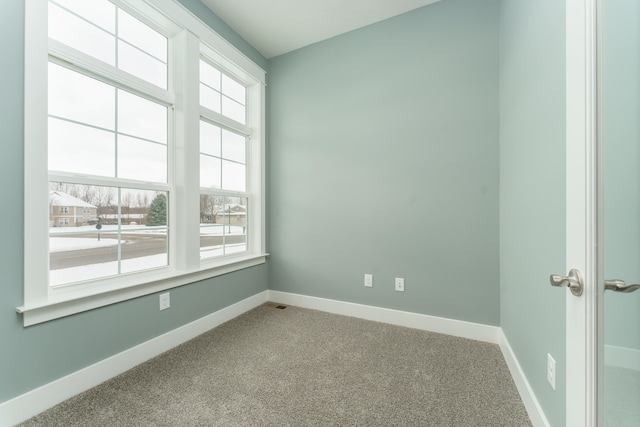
305,212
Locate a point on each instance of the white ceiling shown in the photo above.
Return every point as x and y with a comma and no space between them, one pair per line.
275,27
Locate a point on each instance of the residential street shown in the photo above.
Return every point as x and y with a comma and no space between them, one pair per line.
137,245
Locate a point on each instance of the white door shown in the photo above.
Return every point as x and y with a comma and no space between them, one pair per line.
603,212
581,210
619,250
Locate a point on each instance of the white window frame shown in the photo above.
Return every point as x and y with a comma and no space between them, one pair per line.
189,39
243,129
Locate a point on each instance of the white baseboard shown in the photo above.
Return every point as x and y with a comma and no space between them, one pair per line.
536,414
622,357
35,401
458,328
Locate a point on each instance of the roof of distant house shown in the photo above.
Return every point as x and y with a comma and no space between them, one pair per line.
58,198
235,208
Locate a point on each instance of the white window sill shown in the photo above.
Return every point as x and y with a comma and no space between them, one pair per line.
66,304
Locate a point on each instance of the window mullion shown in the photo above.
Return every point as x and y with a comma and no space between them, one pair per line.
225,122
256,170
57,176
86,64
36,206
186,201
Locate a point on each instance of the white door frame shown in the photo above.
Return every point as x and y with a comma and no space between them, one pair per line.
581,213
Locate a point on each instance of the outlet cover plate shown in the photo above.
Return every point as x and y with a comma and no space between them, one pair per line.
399,284
165,301
368,280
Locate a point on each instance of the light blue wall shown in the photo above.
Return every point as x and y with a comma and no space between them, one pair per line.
532,191
383,159
31,357
621,136
204,13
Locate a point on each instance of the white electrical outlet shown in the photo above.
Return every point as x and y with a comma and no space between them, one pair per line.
368,280
399,284
165,301
551,371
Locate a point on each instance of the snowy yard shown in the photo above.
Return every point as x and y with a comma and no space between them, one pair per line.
84,238
61,244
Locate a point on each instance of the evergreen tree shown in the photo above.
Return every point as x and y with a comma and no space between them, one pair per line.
158,211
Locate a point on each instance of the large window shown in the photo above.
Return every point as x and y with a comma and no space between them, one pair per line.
143,153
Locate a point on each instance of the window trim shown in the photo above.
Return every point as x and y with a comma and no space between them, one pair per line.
40,302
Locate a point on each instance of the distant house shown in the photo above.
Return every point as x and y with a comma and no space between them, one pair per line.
233,215
128,216
69,211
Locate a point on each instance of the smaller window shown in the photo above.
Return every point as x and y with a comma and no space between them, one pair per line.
100,29
222,94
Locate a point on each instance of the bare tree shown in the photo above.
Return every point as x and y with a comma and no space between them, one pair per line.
210,206
62,187
87,193
205,208
125,204
143,200
103,199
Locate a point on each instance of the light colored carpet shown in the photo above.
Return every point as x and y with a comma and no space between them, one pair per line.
621,397
299,367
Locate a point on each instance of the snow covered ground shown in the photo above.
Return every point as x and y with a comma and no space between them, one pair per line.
106,269
215,251
218,230
87,236
66,242
61,244
102,270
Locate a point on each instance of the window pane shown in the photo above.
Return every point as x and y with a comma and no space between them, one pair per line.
233,176
142,36
141,160
234,90
223,225
210,76
142,65
209,98
78,257
99,12
235,220
209,139
73,203
233,110
210,172
144,217
233,146
81,35
77,97
97,232
211,233
142,118
210,206
80,149
79,248
211,240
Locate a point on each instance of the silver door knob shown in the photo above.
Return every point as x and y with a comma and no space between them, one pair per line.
573,281
618,285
